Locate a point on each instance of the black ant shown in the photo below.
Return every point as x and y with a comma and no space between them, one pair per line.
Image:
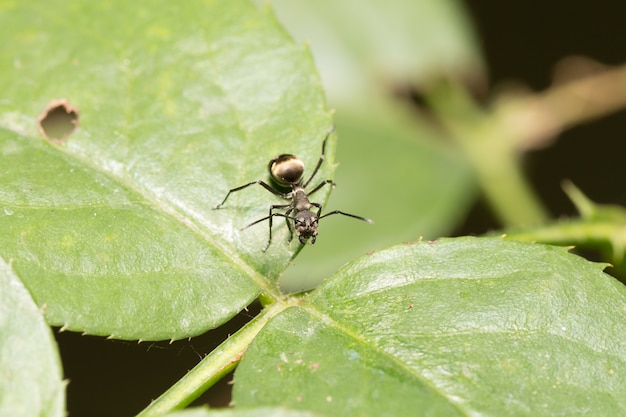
286,171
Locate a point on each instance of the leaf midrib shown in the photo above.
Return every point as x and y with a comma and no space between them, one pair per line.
329,321
149,201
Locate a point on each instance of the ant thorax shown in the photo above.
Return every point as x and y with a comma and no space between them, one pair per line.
300,199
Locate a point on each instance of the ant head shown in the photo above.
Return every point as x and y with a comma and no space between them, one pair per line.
286,169
305,225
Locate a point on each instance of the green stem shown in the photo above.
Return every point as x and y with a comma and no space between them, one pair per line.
499,171
591,234
600,226
213,367
570,232
492,152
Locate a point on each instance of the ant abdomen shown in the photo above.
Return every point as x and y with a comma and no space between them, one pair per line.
286,169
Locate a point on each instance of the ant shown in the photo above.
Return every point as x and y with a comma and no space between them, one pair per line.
286,171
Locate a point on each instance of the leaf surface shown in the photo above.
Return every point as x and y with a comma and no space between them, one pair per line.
244,412
114,229
30,369
458,327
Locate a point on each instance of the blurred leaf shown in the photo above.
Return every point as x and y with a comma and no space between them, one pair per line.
244,412
360,45
394,167
30,370
458,327
114,229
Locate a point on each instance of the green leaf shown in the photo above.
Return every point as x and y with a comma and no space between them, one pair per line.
394,167
360,45
114,229
457,327
600,226
244,412
30,369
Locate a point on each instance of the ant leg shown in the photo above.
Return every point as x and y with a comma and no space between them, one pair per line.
347,214
320,185
261,183
270,218
289,226
319,209
322,157
232,191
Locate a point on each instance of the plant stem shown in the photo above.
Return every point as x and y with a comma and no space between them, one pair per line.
213,367
601,226
492,151
538,117
573,232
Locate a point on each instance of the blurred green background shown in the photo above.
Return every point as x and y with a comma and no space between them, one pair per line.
394,167
371,59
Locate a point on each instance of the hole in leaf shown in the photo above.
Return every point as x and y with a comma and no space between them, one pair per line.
58,120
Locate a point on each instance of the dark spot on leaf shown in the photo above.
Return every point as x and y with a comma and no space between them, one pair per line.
58,120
